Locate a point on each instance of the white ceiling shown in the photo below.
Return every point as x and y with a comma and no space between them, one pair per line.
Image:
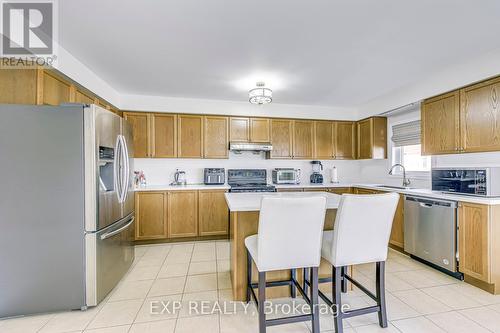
341,53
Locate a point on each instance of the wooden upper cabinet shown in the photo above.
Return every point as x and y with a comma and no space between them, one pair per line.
281,138
480,116
440,118
324,139
345,140
150,215
259,130
244,129
55,90
140,132
182,214
190,136
18,86
216,139
163,135
239,129
372,138
213,213
83,97
474,241
303,139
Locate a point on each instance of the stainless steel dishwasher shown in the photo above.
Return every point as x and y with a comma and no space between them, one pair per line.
430,227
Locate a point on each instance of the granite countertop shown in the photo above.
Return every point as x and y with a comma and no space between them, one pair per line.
192,187
417,192
250,201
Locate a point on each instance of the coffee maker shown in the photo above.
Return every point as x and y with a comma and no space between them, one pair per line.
316,176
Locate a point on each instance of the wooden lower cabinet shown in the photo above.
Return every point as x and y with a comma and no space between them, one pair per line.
398,225
161,215
474,242
151,215
364,191
213,213
182,214
340,190
290,190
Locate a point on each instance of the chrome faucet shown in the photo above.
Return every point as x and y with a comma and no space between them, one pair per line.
406,181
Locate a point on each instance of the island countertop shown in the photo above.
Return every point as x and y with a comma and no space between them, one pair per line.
250,201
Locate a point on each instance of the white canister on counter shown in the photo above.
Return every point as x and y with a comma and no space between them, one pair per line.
334,175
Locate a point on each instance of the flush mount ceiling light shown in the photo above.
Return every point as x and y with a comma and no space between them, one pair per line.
260,95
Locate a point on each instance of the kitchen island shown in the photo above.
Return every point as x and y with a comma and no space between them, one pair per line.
244,219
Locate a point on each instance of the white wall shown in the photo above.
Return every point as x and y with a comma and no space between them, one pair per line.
161,171
67,64
449,78
206,106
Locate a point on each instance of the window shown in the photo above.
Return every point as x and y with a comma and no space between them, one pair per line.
410,156
407,149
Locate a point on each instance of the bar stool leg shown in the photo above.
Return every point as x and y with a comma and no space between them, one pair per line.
380,289
314,300
249,276
262,300
337,301
304,283
344,280
293,289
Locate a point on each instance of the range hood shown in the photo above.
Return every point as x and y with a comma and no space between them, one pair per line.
250,146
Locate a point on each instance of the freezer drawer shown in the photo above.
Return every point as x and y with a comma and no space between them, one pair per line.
431,231
110,253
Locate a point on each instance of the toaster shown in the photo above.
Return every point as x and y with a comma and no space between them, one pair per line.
214,176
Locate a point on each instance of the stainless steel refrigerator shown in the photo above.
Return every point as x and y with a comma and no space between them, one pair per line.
66,206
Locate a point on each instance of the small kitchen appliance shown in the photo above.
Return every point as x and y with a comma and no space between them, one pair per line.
286,176
483,182
179,178
214,176
248,180
316,176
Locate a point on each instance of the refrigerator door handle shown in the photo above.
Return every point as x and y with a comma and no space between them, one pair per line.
126,173
117,231
117,176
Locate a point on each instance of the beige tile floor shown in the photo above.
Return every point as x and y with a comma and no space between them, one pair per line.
419,299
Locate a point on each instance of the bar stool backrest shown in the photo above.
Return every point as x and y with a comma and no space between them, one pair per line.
362,228
290,232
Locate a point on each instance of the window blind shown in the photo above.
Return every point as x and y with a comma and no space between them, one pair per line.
406,134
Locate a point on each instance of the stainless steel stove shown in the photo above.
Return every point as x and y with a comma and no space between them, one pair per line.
248,180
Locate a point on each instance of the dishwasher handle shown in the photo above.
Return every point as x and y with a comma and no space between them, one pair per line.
430,202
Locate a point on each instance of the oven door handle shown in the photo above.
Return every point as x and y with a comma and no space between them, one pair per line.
117,231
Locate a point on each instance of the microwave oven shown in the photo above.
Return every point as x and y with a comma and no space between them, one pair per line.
286,176
471,181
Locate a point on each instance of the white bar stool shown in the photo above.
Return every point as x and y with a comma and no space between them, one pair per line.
289,237
360,235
